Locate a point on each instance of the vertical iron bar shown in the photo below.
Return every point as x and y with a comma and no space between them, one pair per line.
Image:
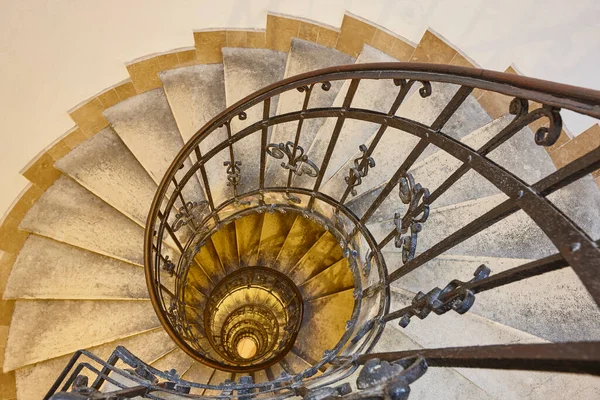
308,91
334,137
205,178
263,142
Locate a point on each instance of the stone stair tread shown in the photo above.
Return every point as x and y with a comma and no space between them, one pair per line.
325,252
224,241
294,364
246,71
46,269
302,235
106,167
45,329
248,238
274,231
176,359
323,324
521,302
216,379
198,373
70,214
34,381
437,382
146,125
334,279
376,95
304,56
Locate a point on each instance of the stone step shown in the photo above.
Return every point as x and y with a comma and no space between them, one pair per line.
293,364
247,233
303,57
217,378
275,228
437,383
34,381
536,305
324,253
246,71
146,125
299,240
324,323
454,330
106,167
375,95
196,94
224,241
176,359
68,213
336,278
45,329
46,269
198,373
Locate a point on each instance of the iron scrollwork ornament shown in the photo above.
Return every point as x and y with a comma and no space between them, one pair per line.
360,169
233,172
192,212
455,296
411,194
298,163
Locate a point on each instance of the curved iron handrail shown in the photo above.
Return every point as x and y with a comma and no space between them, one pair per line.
574,245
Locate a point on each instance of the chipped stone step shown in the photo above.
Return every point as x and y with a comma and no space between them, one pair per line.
146,125
437,383
334,279
46,269
34,381
106,167
324,323
45,329
375,95
454,330
299,240
246,71
325,252
517,305
275,228
225,244
247,233
304,56
198,373
70,214
196,94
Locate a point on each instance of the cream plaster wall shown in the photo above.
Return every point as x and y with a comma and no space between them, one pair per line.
56,53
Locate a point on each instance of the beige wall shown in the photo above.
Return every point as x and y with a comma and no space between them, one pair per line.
56,53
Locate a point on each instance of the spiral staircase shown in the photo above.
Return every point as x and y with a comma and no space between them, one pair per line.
310,211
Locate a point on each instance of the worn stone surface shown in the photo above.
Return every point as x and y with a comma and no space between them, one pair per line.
69,213
324,253
275,228
177,360
146,125
248,239
246,71
106,167
299,240
336,278
225,244
45,329
46,269
304,57
34,380
541,306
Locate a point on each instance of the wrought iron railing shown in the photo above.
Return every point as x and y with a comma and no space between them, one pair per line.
178,225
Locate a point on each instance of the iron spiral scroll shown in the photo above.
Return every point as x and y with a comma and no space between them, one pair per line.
383,375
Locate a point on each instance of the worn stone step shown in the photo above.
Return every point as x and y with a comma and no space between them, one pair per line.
196,94
45,329
336,278
69,213
176,359
225,244
304,56
247,233
324,323
34,381
275,228
146,125
293,364
106,167
246,71
46,269
536,305
299,240
437,383
325,252
198,373
455,330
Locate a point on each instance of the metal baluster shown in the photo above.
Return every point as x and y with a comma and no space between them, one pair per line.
263,143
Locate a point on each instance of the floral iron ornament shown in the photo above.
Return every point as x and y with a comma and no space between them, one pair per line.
411,194
298,162
360,169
